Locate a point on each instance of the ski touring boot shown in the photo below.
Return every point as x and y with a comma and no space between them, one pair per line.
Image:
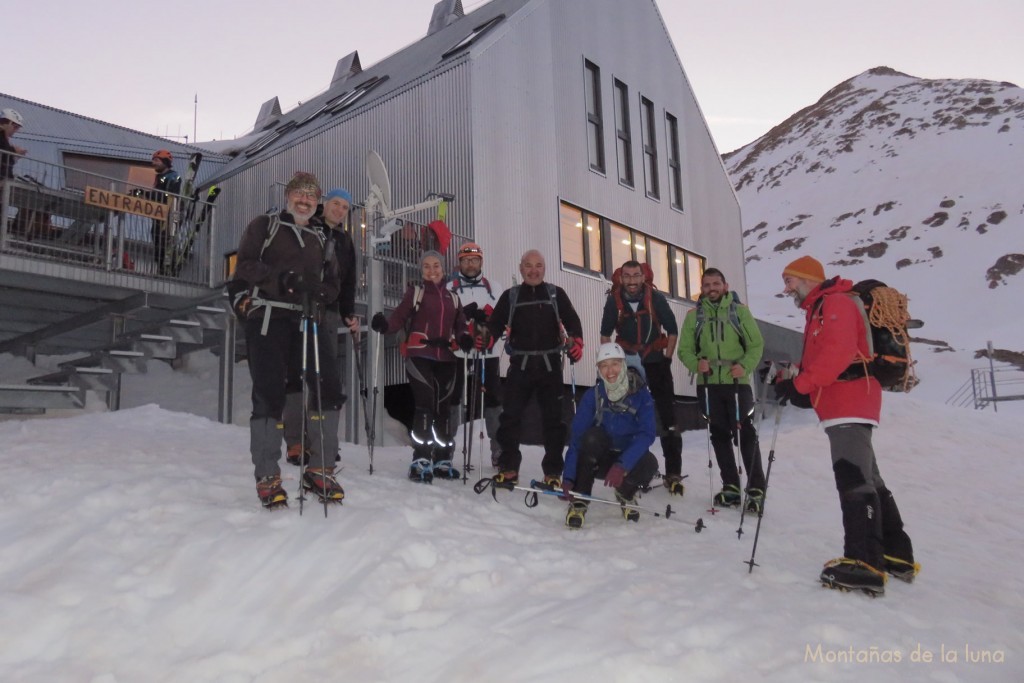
849,575
323,484
628,513
554,481
674,485
901,569
421,471
295,455
271,493
443,469
506,478
576,514
728,497
755,501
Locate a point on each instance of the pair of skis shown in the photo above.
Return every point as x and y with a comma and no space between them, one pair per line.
190,224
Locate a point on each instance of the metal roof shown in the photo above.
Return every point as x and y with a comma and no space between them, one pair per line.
50,132
429,56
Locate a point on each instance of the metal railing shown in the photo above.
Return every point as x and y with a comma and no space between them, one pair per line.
988,387
69,215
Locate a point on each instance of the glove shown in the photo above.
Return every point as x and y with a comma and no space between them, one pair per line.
296,283
575,351
470,310
241,304
616,473
567,485
483,341
785,392
379,323
466,343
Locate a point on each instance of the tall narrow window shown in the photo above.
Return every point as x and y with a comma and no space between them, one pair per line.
623,136
621,239
657,258
650,147
595,125
675,164
580,236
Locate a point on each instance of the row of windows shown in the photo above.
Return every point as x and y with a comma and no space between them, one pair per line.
624,138
597,245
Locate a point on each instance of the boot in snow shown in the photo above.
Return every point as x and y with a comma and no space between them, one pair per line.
421,471
755,501
674,485
576,514
323,484
901,569
728,497
443,470
629,514
295,455
270,492
846,574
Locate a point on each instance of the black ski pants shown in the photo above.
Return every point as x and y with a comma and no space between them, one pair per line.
520,385
596,456
662,388
721,399
433,387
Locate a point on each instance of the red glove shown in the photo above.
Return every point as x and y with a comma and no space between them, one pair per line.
575,351
483,341
488,309
615,476
567,485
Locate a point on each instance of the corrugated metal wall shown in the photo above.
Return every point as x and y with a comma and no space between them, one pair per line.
530,147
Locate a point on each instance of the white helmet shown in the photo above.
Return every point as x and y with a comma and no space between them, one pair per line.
610,351
12,115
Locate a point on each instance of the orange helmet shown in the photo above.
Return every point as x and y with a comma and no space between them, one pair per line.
164,155
470,249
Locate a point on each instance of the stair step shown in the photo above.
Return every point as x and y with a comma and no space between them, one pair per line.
37,398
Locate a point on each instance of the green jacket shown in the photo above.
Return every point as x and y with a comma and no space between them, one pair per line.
720,342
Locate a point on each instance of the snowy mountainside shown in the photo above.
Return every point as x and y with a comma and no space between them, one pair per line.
912,181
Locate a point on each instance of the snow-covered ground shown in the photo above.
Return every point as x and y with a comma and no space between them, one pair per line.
135,550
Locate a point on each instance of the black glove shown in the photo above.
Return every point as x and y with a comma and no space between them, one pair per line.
470,309
379,323
785,392
241,304
296,283
466,343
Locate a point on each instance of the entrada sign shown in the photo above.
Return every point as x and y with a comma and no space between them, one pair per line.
123,202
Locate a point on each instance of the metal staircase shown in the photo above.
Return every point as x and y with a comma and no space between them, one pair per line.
141,335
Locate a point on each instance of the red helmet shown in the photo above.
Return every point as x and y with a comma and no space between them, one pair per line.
164,156
470,249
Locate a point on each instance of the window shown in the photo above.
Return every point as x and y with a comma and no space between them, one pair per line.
356,94
675,165
657,257
621,241
581,239
595,126
623,139
473,37
650,148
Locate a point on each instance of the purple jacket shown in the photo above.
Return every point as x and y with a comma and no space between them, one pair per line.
433,326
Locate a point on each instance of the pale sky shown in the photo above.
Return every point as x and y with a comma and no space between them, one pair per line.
752,63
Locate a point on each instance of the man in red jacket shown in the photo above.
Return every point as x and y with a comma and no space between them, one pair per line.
833,379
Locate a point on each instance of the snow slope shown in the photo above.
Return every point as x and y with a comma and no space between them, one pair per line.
915,182
135,550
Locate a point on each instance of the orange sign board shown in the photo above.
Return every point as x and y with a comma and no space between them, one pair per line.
116,201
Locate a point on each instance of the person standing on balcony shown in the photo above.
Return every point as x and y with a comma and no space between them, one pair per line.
336,206
284,273
168,182
10,123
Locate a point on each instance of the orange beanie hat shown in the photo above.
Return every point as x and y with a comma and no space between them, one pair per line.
807,268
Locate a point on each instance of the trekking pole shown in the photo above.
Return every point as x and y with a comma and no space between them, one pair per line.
483,407
537,489
756,454
373,413
707,418
767,476
319,409
737,439
467,433
462,405
357,350
305,403
572,375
